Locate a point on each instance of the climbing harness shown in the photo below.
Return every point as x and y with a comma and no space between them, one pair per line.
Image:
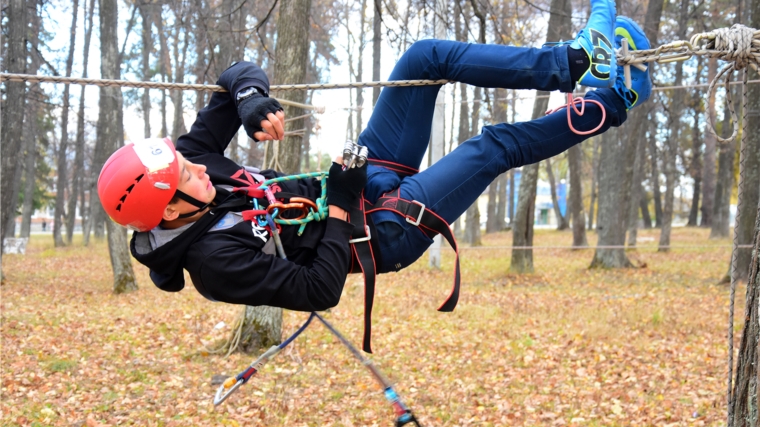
308,211
363,253
363,259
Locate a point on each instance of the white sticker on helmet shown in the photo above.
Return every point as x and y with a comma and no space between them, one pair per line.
155,154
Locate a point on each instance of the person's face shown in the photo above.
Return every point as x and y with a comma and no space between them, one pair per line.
194,182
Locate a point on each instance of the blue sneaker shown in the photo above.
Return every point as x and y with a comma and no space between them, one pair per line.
641,83
597,40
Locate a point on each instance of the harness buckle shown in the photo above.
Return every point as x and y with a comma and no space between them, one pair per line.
413,221
362,239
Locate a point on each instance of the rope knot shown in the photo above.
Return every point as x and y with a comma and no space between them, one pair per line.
735,44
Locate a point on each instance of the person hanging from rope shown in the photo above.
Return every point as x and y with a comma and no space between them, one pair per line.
191,206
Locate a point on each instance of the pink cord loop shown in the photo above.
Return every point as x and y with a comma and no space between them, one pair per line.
571,103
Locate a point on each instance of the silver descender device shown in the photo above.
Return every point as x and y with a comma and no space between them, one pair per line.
354,155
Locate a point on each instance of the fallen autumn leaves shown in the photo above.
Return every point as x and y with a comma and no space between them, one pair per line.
565,346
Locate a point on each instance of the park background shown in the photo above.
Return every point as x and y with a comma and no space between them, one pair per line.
608,304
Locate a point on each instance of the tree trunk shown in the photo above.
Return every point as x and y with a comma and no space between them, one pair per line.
360,68
636,189
708,169
575,204
743,399
721,221
696,167
472,216
501,202
178,122
671,144
15,95
491,208
561,219
644,205
77,175
110,134
559,28
656,193
377,22
62,171
512,198
611,219
290,68
30,157
30,133
500,210
437,132
262,325
146,12
745,215
164,66
594,182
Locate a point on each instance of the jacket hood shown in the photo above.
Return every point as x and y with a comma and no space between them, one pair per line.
165,266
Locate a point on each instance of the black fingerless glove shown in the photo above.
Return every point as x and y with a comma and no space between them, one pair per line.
345,186
254,109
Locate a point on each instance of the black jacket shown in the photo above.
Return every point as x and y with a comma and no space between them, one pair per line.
237,264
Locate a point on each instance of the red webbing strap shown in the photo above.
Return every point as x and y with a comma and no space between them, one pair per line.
400,169
428,220
366,260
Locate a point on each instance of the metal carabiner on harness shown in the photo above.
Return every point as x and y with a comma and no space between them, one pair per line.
301,204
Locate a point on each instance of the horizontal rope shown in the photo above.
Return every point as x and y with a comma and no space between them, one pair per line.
33,78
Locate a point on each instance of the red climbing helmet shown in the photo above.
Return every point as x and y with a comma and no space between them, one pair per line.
138,181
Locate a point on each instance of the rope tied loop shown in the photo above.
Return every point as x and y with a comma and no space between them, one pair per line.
740,45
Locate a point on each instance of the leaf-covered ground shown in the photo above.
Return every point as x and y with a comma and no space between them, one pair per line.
563,346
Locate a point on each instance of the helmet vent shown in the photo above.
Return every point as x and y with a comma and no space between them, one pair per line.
118,208
123,198
139,178
129,189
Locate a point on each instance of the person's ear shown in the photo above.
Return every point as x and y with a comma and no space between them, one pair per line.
170,213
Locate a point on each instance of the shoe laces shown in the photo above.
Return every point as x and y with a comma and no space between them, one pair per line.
571,103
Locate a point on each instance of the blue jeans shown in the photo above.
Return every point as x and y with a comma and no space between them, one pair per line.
400,125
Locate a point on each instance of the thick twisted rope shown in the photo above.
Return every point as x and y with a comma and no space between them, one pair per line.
739,45
730,397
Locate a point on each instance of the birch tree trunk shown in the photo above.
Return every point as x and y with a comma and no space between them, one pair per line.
559,28
110,134
13,112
